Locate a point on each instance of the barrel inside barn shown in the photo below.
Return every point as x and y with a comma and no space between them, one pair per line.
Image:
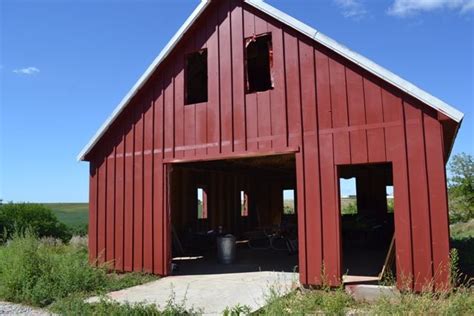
253,199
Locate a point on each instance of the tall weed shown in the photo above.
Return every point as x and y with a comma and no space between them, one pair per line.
37,274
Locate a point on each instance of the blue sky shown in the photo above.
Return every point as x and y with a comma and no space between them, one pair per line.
65,65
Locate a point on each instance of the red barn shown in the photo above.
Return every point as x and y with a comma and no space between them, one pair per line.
244,103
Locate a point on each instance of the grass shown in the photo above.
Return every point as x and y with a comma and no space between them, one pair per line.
75,305
301,302
337,302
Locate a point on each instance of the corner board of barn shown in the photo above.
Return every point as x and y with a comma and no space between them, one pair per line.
246,125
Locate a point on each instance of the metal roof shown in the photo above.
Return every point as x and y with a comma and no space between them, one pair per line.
303,28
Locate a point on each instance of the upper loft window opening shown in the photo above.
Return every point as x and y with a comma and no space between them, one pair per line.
259,63
196,77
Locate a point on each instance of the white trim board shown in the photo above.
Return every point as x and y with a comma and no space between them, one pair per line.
299,26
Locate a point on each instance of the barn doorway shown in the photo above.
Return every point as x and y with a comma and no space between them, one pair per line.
252,199
367,222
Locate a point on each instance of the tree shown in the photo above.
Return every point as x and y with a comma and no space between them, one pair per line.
461,187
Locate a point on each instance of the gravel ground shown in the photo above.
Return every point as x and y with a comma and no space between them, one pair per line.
17,309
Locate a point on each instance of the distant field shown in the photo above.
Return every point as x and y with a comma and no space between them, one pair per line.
347,200
71,214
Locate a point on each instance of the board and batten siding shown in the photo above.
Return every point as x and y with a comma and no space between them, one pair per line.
323,107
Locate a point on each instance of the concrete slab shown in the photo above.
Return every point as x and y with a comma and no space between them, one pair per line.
371,293
211,294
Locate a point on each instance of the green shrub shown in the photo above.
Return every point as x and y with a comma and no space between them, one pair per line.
35,218
37,274
40,272
461,188
78,229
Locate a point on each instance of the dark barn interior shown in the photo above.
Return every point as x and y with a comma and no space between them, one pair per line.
242,197
368,226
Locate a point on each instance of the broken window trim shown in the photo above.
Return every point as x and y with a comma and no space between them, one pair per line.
185,76
249,40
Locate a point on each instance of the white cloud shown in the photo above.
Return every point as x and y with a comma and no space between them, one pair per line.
28,71
352,8
404,8
468,6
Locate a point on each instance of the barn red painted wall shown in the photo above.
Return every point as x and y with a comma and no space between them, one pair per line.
331,110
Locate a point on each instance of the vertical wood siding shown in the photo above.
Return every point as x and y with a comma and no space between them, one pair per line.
331,110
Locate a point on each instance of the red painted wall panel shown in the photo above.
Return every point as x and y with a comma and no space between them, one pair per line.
356,113
148,185
293,93
311,203
300,201
279,111
339,112
330,222
128,193
374,114
138,189
225,72
438,201
238,78
179,103
119,203
251,109
158,145
92,229
101,210
110,208
168,99
419,202
329,109
213,103
263,100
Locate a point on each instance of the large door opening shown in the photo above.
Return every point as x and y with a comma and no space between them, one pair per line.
367,222
253,199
